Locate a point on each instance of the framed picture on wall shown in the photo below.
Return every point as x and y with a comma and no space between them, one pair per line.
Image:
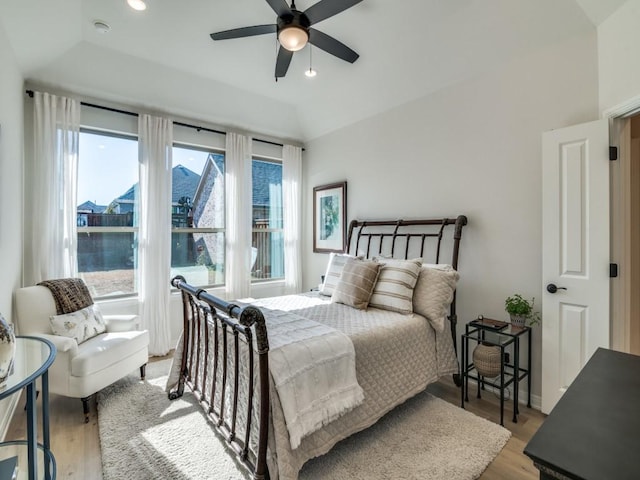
330,217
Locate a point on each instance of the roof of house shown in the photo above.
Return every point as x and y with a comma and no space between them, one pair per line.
91,207
185,184
264,175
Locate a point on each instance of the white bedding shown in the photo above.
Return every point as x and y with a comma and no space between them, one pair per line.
396,357
313,367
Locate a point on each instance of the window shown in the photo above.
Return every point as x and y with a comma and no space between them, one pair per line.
267,252
106,214
197,216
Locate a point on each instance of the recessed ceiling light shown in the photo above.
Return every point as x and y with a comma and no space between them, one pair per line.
100,26
137,4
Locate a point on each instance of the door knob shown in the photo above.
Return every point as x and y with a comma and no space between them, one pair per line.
552,288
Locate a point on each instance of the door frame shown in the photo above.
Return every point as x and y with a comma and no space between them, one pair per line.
620,218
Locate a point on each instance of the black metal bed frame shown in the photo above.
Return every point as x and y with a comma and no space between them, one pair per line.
209,321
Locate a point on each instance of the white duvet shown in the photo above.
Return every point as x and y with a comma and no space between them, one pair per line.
396,356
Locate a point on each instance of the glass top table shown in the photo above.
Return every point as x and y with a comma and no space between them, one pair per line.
32,360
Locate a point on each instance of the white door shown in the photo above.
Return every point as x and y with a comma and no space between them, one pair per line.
575,251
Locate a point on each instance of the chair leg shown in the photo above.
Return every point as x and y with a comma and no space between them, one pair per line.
85,408
143,371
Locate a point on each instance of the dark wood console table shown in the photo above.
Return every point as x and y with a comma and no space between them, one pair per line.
593,432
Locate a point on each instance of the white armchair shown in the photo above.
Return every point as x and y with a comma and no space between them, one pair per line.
80,371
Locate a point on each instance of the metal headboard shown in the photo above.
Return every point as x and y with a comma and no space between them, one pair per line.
365,235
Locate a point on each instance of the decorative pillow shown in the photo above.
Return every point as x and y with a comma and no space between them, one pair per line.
81,325
394,288
334,269
433,293
356,283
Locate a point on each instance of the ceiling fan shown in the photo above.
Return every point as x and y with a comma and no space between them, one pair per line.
293,29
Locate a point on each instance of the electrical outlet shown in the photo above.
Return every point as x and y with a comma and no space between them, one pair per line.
507,357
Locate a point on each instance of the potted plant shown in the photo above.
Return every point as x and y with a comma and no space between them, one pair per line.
521,310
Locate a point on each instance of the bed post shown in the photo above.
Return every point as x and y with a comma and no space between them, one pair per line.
179,391
461,221
252,316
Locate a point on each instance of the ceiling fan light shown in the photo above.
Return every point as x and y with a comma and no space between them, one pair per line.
137,4
293,38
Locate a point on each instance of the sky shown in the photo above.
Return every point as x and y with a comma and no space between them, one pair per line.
108,166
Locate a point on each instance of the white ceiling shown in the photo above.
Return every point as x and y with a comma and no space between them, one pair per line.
164,56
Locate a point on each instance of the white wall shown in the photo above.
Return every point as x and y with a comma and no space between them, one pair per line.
471,149
11,162
619,56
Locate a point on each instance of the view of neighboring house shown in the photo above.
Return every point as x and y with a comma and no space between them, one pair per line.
197,202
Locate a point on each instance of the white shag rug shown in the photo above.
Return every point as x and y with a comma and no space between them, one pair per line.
144,435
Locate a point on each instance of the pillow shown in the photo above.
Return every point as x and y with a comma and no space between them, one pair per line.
433,293
334,269
81,324
394,288
356,283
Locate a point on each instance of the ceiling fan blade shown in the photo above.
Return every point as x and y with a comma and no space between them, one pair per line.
327,8
279,6
332,46
244,32
283,61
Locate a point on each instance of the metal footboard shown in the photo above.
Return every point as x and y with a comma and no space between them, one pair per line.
219,347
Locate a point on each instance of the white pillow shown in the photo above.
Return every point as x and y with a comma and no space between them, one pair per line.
334,270
433,293
81,325
394,288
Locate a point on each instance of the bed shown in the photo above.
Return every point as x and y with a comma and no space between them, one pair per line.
225,351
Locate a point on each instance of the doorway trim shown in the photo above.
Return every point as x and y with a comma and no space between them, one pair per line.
620,221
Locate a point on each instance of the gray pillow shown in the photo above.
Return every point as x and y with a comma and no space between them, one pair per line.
356,283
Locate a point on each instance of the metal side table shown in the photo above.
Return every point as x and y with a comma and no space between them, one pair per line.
504,336
33,358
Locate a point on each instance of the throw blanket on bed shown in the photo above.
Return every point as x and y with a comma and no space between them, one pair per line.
70,294
313,367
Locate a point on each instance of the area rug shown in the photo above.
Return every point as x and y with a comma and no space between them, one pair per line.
144,436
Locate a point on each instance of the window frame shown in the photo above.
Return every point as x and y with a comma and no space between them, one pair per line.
223,230
265,158
89,230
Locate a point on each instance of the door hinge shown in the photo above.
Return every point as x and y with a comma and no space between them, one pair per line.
613,153
613,270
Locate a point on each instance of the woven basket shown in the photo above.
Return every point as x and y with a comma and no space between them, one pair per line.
486,359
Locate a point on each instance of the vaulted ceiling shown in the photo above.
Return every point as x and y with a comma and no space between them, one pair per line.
163,57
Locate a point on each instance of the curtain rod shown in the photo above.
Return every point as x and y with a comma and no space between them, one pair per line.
195,127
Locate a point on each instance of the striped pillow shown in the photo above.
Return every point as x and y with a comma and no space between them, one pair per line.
394,289
334,269
356,283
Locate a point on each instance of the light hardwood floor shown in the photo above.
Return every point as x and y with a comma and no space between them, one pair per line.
76,445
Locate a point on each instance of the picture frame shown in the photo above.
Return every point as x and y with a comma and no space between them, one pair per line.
330,218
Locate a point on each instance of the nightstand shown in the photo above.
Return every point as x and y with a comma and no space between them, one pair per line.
507,338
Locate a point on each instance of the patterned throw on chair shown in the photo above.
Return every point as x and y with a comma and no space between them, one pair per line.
70,294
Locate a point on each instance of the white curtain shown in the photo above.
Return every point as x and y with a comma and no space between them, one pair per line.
155,140
238,216
55,171
292,210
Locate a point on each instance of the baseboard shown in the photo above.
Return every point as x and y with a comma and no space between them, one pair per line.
10,406
536,401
